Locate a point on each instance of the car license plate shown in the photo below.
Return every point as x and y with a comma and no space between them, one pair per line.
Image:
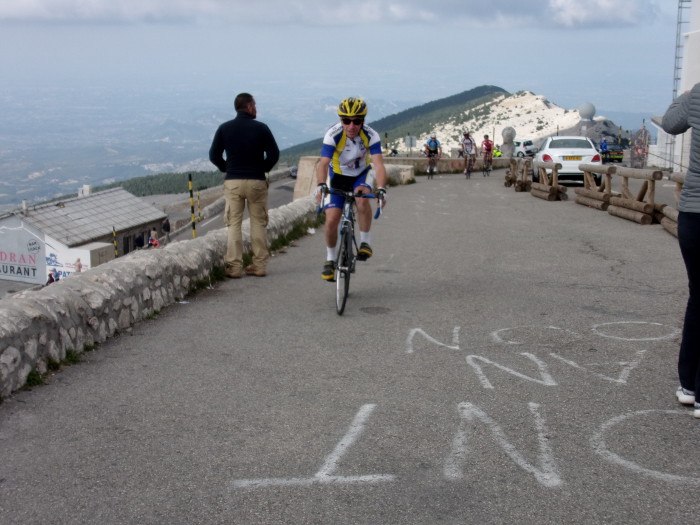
572,157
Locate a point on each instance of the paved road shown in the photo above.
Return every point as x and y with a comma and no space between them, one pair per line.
502,359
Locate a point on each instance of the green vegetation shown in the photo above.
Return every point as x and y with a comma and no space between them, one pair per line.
167,183
36,378
297,232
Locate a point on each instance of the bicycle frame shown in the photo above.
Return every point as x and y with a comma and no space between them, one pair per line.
487,163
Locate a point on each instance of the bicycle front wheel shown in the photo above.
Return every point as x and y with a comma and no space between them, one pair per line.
343,268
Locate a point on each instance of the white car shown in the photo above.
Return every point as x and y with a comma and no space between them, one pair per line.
569,151
524,148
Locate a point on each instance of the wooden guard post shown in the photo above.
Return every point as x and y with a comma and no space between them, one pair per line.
518,173
548,187
591,194
629,206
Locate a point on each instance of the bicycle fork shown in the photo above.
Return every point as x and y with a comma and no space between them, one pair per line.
347,225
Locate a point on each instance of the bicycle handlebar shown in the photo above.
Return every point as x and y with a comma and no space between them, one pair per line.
347,194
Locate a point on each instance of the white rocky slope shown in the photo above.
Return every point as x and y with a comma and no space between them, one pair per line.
531,116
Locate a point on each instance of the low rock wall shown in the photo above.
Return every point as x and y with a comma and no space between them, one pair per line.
38,327
306,182
444,165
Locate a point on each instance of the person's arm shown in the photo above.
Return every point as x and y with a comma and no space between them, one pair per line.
216,152
675,120
321,175
379,170
380,177
272,152
322,167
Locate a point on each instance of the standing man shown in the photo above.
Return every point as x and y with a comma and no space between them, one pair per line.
350,148
166,229
682,115
251,152
469,153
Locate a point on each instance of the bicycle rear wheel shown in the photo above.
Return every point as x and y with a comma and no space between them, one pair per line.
343,268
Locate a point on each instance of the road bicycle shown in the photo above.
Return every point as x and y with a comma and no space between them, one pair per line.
432,164
470,165
346,256
486,164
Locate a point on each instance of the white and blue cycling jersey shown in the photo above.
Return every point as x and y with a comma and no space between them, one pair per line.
350,157
433,145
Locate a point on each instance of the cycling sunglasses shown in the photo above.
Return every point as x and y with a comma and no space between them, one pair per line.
356,121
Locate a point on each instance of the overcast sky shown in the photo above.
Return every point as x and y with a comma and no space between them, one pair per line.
617,54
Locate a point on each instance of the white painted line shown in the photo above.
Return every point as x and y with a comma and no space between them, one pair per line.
673,333
546,474
627,367
356,428
412,333
210,220
496,335
546,379
325,475
600,447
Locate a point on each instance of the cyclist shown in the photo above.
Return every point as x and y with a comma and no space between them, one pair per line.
350,148
487,152
469,152
604,150
433,150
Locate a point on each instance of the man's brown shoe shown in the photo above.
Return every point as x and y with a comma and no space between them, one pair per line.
232,274
252,270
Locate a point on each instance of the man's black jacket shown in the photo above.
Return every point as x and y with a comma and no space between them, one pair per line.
251,150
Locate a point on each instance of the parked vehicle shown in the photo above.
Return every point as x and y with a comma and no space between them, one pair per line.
615,154
569,151
523,148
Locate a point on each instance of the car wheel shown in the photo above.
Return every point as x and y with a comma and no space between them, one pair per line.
521,154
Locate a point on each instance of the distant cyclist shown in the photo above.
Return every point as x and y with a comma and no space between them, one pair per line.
350,148
433,150
487,152
604,150
468,152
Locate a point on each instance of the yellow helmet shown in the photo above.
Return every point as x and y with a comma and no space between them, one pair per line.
352,107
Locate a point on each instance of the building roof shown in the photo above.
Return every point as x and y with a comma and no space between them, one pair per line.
80,220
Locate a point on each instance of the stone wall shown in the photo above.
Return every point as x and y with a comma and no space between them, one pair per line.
41,326
444,165
306,183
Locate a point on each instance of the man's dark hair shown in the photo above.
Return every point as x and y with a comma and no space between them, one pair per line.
242,100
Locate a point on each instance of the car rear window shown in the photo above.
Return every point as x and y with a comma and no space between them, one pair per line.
570,143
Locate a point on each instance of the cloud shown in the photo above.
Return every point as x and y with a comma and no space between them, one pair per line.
475,13
605,13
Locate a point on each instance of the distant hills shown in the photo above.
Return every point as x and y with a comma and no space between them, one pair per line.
414,121
482,110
